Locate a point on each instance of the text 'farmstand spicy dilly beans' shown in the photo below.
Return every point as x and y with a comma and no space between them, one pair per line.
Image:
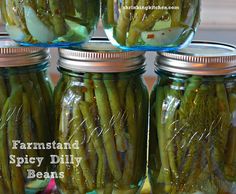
193,121
25,102
50,23
151,24
102,102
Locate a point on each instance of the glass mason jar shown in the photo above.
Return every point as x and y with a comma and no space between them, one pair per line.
102,106
50,23
151,25
25,102
193,121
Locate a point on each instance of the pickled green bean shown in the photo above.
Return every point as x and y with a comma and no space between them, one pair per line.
107,131
123,22
97,142
141,103
116,110
230,156
78,134
3,96
57,19
3,145
15,106
66,181
162,139
127,177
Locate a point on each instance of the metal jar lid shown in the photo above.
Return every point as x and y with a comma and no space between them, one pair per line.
11,55
200,58
99,56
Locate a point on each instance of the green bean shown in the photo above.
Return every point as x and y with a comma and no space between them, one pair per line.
57,96
11,14
141,103
37,109
78,134
230,156
195,127
132,131
41,10
134,33
3,96
4,13
57,19
173,102
187,103
78,179
46,90
15,106
80,7
123,22
89,97
3,145
97,142
117,114
68,7
145,24
42,96
63,137
2,186
107,131
122,87
41,5
108,188
27,133
224,127
110,12
176,14
154,153
92,13
162,138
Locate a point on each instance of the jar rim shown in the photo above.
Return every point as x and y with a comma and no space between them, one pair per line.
200,58
13,55
99,55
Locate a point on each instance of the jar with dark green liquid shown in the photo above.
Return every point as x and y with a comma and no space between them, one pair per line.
25,116
101,103
193,121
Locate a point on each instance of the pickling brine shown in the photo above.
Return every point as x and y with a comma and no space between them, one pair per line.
151,24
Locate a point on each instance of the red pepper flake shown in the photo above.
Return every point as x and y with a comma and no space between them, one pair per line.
169,30
150,36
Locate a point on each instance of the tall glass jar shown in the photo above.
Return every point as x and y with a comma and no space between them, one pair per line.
102,105
151,25
50,23
25,102
193,121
